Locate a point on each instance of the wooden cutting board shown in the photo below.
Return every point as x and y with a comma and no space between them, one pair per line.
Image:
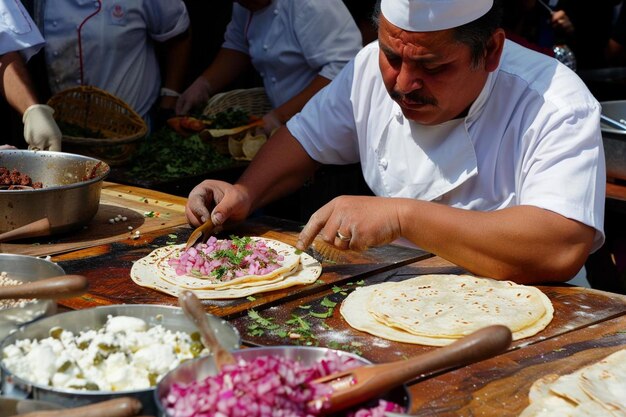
575,308
108,268
145,211
499,386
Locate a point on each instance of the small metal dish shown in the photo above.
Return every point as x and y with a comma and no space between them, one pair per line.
172,318
26,269
201,368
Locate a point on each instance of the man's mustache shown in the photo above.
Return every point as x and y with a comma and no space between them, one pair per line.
414,97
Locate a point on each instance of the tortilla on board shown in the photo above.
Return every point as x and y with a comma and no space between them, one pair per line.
598,389
161,257
151,271
436,310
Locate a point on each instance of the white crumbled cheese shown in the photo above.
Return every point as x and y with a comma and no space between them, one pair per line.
125,324
124,355
6,280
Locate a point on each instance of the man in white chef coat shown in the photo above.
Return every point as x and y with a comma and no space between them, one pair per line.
19,41
478,150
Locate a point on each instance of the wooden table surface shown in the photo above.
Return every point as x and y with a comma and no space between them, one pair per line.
587,326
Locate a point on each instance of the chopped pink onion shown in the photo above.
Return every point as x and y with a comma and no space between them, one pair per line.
225,260
266,386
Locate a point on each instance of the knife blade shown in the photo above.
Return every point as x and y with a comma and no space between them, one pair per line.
391,414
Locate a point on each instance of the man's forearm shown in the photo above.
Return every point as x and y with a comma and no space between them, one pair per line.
525,244
16,83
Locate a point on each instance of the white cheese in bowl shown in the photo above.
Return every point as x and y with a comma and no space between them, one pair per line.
126,354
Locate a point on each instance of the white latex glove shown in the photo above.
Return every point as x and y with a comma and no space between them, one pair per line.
40,130
271,123
198,93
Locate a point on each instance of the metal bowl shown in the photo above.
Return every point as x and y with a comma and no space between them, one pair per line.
26,269
614,139
201,368
70,195
14,406
172,318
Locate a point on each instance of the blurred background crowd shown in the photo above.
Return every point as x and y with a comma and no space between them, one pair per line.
588,37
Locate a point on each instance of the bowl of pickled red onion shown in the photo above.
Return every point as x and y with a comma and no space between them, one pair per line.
266,381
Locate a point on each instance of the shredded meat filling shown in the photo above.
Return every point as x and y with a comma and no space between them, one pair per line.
15,179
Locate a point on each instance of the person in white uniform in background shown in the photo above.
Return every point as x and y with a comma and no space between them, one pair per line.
19,41
111,44
296,46
478,150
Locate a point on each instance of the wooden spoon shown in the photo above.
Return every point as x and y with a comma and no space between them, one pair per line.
204,230
119,407
360,384
37,228
195,311
63,286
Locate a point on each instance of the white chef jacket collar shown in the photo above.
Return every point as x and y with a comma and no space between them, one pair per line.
481,100
443,154
449,164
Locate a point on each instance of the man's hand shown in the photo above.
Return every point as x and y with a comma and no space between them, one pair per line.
354,222
40,130
216,199
198,93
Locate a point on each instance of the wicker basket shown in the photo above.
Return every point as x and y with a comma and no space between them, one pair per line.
91,108
252,100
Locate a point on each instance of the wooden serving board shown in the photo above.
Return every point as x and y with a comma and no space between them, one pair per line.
499,386
575,308
108,268
145,210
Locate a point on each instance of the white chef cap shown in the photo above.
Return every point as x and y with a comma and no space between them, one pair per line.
431,15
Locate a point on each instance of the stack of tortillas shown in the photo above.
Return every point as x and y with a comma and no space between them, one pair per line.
154,271
436,310
596,390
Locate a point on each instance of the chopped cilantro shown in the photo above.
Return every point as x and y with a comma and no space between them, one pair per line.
328,303
327,314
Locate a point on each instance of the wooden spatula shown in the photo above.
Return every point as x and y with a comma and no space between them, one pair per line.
361,384
63,286
203,231
37,228
194,310
119,407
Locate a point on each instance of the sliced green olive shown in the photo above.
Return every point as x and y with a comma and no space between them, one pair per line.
195,348
153,378
56,332
66,365
90,386
108,348
98,359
